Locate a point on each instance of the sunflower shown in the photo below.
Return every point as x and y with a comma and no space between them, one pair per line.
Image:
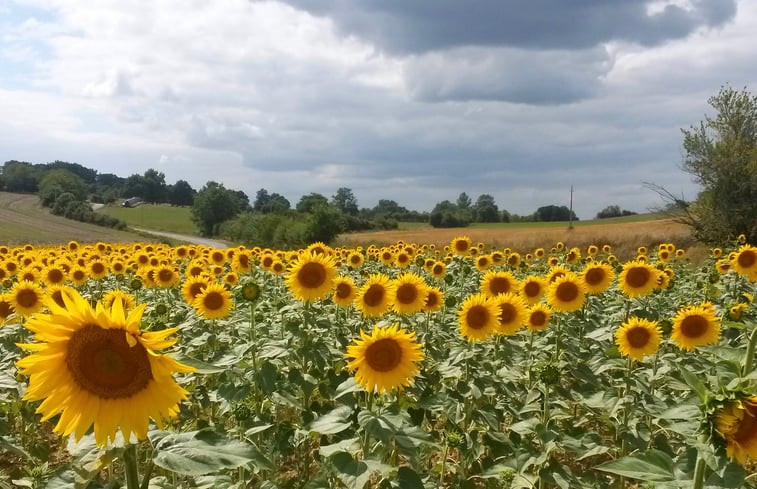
6,308
695,326
478,317
402,259
637,338
538,317
637,279
386,256
355,259
344,291
375,296
250,291
513,260
241,263
312,277
483,262
434,299
555,272
193,287
512,313
439,269
128,300
29,274
409,293
461,245
745,262
165,276
78,275
496,282
95,366
566,293
597,277
214,302
723,265
736,423
97,269
532,289
573,256
26,298
53,275
386,359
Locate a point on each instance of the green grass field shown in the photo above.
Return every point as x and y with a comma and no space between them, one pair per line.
160,217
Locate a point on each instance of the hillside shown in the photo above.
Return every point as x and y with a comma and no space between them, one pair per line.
24,220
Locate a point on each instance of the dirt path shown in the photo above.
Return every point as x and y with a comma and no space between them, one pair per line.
183,237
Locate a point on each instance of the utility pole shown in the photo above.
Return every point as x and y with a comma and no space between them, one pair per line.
570,217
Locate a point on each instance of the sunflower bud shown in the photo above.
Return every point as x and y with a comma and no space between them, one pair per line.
550,375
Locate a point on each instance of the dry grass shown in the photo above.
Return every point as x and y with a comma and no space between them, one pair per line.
623,237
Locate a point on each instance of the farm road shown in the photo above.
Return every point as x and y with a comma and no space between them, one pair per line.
183,237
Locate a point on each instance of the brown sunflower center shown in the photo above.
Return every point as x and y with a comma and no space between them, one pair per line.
437,270
512,260
747,426
196,289
694,326
538,318
432,300
267,261
566,292
213,301
79,275
244,261
477,317
55,276
355,259
407,293
499,285
312,275
98,268
27,298
507,313
165,275
5,309
374,295
531,289
638,337
343,290
747,258
57,296
594,276
384,355
461,245
638,276
102,363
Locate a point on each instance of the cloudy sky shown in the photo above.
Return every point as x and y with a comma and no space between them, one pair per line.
414,101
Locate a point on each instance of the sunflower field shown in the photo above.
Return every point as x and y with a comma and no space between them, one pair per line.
407,366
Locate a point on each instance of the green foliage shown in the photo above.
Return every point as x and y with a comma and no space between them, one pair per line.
215,204
309,202
56,182
485,209
613,211
448,215
181,193
721,155
20,176
344,200
552,213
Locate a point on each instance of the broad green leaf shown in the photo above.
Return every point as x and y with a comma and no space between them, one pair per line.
5,445
409,479
335,421
353,473
202,452
650,466
350,446
347,387
695,383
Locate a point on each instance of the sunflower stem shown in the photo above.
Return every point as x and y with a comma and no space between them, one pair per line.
749,357
130,466
699,473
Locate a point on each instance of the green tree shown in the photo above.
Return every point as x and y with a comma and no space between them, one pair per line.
309,202
448,215
464,201
345,201
59,181
20,176
485,210
721,155
213,205
181,193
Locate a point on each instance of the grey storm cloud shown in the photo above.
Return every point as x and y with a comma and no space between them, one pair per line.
419,26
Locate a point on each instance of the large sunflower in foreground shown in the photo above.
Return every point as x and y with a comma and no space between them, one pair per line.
597,277
386,359
26,298
637,338
478,317
512,313
95,366
410,292
498,282
745,261
695,326
312,277
567,293
637,278
737,424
